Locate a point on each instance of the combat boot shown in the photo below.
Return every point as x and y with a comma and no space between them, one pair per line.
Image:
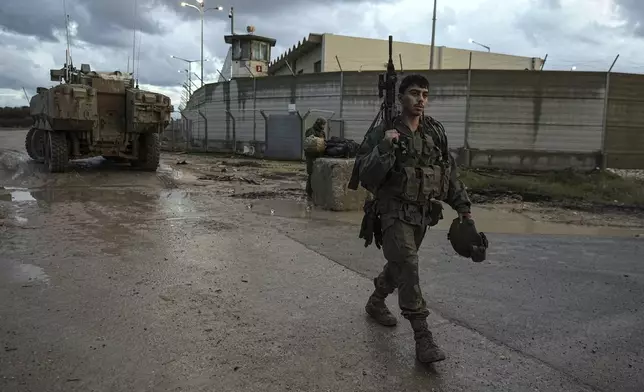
427,350
377,309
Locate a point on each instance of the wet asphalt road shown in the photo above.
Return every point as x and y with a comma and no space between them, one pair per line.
117,281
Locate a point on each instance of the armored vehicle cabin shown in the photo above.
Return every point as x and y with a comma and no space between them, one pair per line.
96,113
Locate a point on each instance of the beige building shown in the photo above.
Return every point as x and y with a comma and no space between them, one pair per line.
328,52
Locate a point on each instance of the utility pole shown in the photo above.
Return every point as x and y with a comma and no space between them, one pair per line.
231,15
201,4
431,50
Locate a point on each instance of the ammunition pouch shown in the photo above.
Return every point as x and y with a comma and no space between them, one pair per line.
420,184
435,213
371,227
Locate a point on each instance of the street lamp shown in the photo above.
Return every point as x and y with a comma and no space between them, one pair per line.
190,63
202,10
189,66
187,61
189,77
479,44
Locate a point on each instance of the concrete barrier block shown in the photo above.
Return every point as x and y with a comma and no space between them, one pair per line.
329,181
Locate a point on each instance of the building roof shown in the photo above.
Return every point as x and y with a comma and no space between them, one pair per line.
249,37
303,47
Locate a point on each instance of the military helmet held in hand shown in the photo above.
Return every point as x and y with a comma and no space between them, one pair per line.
466,241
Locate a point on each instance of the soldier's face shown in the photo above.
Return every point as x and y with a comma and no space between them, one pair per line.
413,101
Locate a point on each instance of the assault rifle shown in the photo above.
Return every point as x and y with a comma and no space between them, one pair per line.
386,89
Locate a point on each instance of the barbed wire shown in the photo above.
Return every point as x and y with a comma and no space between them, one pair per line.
484,61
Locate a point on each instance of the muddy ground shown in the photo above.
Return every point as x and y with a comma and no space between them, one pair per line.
250,178
117,280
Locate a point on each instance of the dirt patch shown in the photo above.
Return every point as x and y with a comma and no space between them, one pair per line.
595,217
601,199
228,178
280,175
566,189
232,170
290,193
588,199
243,163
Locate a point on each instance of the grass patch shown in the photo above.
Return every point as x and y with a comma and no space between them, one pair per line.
565,186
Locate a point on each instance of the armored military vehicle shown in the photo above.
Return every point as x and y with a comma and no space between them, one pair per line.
96,114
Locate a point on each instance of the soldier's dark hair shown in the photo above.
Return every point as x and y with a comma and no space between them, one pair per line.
414,79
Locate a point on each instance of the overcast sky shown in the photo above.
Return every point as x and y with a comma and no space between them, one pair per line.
587,34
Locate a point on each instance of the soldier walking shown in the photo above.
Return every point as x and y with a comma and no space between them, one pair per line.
407,169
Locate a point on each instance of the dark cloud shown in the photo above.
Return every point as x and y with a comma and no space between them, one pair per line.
547,25
18,70
247,8
14,82
16,17
633,12
99,22
109,22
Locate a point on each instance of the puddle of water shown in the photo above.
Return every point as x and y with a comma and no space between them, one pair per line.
17,195
20,219
25,273
174,173
22,196
301,209
176,204
488,220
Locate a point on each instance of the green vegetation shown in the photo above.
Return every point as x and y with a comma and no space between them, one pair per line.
573,187
15,117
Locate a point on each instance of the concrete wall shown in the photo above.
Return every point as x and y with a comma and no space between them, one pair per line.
282,71
306,62
513,119
368,54
452,58
625,122
532,116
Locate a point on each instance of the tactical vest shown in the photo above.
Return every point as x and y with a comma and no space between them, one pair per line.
422,167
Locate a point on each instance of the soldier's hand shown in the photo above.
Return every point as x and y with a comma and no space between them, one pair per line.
391,135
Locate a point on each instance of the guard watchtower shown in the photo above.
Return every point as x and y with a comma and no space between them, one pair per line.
250,53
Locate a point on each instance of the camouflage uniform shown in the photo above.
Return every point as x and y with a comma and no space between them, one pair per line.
403,179
316,130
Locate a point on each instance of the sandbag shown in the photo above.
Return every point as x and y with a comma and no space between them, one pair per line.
314,145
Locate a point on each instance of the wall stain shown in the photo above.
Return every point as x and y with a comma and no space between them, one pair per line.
537,101
226,87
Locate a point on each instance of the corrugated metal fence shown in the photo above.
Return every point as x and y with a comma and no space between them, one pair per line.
518,119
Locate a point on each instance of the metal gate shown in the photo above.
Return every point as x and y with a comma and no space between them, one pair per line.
335,128
284,137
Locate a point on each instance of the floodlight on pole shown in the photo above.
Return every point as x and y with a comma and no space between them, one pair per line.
202,10
479,44
186,60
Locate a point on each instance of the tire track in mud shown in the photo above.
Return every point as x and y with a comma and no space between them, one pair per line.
19,171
